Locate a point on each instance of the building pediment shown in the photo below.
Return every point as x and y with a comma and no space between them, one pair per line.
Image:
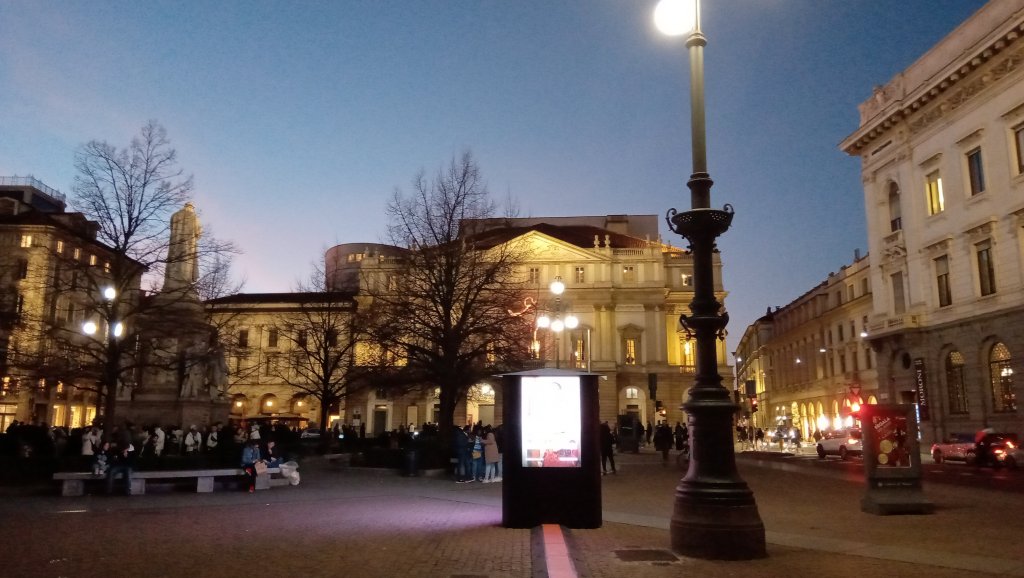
545,248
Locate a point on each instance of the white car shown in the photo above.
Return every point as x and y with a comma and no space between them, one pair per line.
843,443
310,434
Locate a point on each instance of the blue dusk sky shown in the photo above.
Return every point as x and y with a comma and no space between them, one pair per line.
299,119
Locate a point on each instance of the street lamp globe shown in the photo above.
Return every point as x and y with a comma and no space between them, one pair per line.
557,325
572,322
118,329
543,322
676,17
89,327
557,286
109,293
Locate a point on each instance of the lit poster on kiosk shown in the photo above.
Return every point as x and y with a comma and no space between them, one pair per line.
552,425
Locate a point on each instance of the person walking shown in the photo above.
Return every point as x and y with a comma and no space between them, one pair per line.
663,441
607,448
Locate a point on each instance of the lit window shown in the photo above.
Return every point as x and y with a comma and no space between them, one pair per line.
579,276
628,274
92,260
933,189
534,275
60,247
77,253
1004,399
106,266
630,351
986,270
687,280
632,393
975,172
26,241
942,281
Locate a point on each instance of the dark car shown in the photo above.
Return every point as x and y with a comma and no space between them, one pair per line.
1000,446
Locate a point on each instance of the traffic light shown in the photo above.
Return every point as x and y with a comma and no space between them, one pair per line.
753,405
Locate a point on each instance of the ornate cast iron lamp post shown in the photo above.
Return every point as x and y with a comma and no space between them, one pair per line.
715,515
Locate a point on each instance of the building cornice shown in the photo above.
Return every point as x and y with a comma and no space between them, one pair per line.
949,87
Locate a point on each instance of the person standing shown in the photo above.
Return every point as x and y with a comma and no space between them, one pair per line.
649,432
460,447
477,454
193,440
490,443
607,448
213,438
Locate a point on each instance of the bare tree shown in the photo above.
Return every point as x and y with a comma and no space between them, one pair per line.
325,333
121,241
446,307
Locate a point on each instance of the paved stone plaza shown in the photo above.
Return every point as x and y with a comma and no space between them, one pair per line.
344,522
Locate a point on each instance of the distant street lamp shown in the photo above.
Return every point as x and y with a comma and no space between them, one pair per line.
715,515
111,346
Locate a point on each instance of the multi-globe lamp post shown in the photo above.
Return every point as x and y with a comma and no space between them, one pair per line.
715,515
110,341
558,324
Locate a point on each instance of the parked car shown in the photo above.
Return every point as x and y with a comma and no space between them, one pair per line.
843,443
956,447
310,433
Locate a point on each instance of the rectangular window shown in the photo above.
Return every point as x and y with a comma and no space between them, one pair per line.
899,302
302,339
687,280
630,350
1018,137
534,274
272,337
849,293
864,289
975,172
26,241
77,253
243,338
867,358
986,270
842,362
933,190
841,335
628,274
942,281
22,268
580,277
60,247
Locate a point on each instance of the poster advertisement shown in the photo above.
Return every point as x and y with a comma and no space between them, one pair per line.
890,439
552,423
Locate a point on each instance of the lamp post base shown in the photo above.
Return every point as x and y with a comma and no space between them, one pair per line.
715,516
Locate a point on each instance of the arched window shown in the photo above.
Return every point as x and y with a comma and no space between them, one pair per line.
269,405
1001,378
955,383
632,393
895,213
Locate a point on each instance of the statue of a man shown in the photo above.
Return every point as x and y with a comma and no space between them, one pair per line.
195,375
217,371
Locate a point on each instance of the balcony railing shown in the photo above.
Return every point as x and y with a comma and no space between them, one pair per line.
34,183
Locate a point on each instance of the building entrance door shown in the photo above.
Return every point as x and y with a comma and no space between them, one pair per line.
380,419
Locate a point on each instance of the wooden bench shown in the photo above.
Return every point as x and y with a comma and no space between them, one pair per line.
73,483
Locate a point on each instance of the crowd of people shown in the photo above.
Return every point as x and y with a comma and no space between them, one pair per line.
478,452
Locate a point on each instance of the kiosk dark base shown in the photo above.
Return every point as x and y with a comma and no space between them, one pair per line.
532,496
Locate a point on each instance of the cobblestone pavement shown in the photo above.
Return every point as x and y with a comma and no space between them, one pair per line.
342,522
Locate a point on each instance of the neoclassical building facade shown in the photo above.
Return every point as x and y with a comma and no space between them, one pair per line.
811,359
942,162
625,287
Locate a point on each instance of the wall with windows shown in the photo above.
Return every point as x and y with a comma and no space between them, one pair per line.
942,153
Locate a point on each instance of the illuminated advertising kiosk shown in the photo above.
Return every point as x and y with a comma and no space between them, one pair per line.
892,461
552,457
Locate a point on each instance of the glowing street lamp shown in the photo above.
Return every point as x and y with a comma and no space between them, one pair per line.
715,515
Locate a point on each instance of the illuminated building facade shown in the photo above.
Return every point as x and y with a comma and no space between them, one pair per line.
942,163
625,287
811,359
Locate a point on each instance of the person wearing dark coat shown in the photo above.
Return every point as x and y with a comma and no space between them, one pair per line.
663,441
607,448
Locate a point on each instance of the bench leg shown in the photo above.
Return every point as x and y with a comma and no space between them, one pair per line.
72,488
263,482
138,486
204,484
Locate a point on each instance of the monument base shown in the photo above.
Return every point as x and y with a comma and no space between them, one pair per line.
181,412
